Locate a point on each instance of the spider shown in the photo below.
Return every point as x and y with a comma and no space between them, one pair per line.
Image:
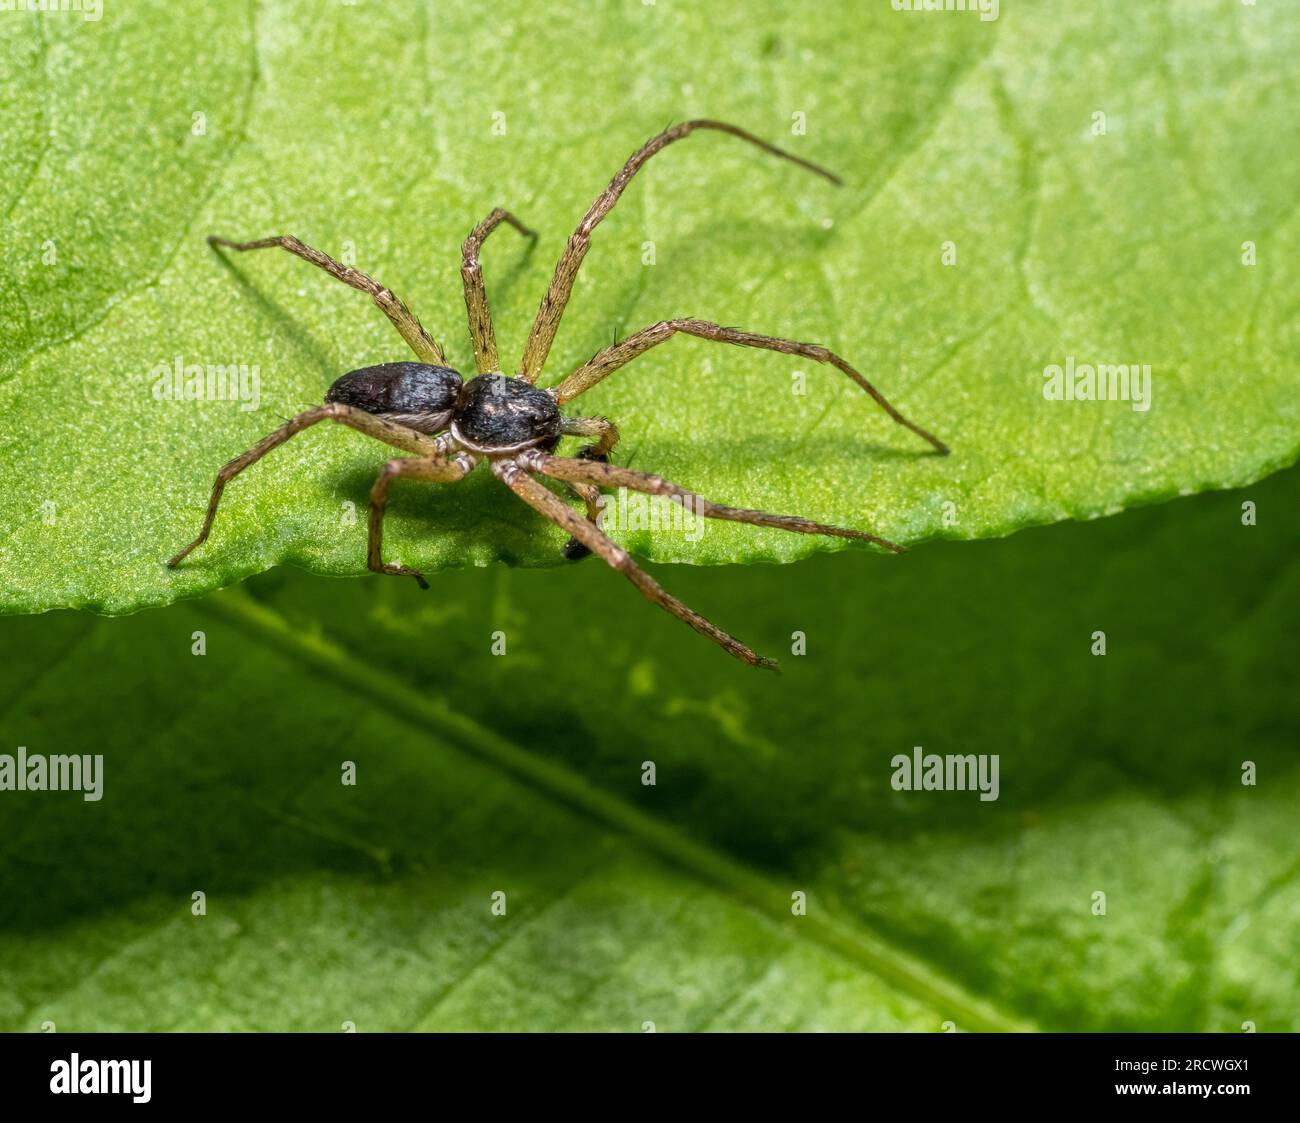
449,424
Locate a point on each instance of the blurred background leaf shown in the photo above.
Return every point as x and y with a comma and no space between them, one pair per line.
368,130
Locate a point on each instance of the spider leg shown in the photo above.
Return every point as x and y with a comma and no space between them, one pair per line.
606,434
611,475
557,296
573,550
554,508
421,342
399,436
476,302
433,469
605,362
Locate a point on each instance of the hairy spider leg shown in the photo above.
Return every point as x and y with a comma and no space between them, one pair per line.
554,508
557,296
432,469
399,436
611,475
604,363
421,342
606,434
573,550
476,302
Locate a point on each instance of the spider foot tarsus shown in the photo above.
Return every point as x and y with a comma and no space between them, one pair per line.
401,571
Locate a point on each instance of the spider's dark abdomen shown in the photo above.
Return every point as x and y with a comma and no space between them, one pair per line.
497,411
400,390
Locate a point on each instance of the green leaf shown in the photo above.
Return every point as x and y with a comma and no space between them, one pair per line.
627,903
370,130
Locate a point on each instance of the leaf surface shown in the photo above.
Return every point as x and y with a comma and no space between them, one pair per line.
383,133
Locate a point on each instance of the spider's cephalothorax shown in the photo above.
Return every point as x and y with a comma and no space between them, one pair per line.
500,414
448,425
